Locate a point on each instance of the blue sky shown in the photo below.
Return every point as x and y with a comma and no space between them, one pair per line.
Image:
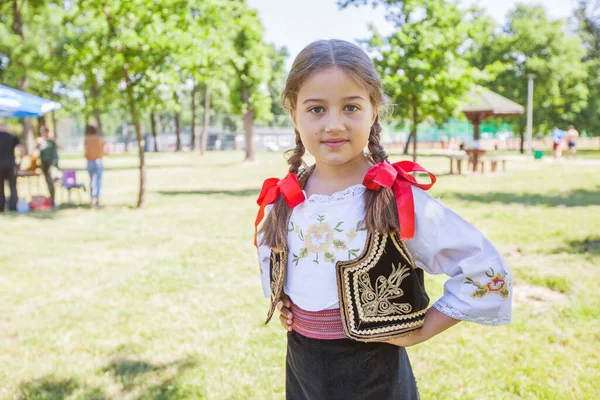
296,23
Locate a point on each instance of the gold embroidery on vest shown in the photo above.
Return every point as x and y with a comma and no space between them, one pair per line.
376,302
371,255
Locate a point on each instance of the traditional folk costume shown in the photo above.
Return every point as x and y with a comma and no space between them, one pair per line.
352,289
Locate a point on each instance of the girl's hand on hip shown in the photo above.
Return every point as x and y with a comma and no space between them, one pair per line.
285,315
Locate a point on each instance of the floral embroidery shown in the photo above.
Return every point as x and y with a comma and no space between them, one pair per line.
320,238
352,253
351,235
339,244
376,302
297,230
303,254
496,284
329,257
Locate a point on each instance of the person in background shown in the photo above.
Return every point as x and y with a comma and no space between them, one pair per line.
557,142
8,168
94,151
571,136
49,158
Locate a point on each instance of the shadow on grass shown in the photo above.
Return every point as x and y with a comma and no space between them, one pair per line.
50,387
590,245
211,192
50,215
159,166
39,215
131,373
574,198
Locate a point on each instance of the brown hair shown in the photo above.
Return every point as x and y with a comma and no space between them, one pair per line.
91,130
380,206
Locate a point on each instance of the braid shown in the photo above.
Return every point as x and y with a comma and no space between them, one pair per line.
378,154
294,156
275,227
381,214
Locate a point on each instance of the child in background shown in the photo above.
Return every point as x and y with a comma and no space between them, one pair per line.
94,152
355,211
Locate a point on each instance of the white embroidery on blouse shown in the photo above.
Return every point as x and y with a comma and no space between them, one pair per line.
352,191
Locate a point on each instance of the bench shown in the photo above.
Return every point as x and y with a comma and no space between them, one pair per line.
458,158
493,161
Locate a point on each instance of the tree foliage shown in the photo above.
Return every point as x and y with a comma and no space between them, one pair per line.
588,23
532,43
421,65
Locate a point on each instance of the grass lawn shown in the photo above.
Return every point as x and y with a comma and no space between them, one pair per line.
120,303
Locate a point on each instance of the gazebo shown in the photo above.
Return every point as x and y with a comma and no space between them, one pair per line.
483,103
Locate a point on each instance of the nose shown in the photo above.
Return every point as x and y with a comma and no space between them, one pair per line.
334,123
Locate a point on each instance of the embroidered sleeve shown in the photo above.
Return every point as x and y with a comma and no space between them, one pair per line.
479,288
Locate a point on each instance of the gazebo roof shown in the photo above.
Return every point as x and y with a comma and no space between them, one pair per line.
484,101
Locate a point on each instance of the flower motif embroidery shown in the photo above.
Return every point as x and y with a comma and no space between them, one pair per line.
496,284
320,238
339,244
351,235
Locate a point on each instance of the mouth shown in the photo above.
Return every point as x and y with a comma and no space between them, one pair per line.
334,143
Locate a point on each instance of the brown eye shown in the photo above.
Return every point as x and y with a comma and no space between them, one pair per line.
351,108
317,110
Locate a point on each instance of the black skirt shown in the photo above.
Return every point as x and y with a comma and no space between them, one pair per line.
346,369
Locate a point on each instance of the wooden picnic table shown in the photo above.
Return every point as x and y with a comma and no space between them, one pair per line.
474,157
475,161
27,175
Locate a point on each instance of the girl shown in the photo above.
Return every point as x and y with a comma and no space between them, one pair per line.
345,241
94,152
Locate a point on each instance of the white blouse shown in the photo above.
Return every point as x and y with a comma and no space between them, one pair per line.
326,229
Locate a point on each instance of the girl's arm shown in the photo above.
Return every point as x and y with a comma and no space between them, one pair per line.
435,322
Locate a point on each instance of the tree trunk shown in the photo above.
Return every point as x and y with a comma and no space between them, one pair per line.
23,82
248,126
125,136
178,130
204,136
408,142
522,135
153,126
42,124
140,140
194,130
415,122
95,92
53,117
98,121
86,114
134,117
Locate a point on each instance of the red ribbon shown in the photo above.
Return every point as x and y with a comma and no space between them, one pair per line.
397,175
289,187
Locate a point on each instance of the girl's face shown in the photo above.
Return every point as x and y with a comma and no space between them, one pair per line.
334,116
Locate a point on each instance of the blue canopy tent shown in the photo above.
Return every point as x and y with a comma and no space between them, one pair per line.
17,104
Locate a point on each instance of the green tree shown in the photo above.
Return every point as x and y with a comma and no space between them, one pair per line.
276,83
143,36
251,64
421,65
531,43
208,65
588,19
87,64
26,46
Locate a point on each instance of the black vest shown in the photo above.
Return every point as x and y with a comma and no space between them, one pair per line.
381,293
